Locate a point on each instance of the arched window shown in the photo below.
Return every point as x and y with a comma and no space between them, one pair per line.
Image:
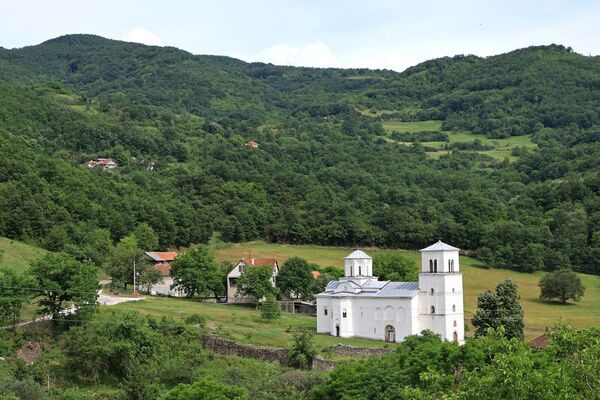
325,310
453,290
359,271
453,307
435,266
454,324
430,266
433,309
432,291
449,265
344,313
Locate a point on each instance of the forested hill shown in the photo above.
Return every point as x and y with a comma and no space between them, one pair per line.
496,155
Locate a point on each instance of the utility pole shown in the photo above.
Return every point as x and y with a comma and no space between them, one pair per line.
134,276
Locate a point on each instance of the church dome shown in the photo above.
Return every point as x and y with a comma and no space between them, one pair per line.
358,254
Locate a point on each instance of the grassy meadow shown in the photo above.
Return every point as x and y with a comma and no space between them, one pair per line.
244,323
18,255
502,147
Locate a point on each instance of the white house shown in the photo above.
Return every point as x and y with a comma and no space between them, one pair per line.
232,292
360,305
161,260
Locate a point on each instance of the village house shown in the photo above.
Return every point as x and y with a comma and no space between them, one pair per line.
105,163
161,261
233,296
252,144
360,305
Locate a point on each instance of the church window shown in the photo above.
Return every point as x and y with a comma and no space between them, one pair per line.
435,266
430,266
453,307
454,324
359,271
433,309
432,291
325,310
344,313
453,291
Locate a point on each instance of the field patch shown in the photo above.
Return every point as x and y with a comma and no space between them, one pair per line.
18,255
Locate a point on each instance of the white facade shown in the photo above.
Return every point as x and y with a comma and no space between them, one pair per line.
360,305
233,296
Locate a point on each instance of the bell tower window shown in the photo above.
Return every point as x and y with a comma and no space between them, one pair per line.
435,266
430,266
433,309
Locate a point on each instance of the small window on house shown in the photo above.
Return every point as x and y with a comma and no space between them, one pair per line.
432,291
453,307
343,313
433,309
325,311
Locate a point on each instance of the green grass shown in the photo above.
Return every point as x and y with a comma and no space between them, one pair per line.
502,147
409,127
17,255
244,324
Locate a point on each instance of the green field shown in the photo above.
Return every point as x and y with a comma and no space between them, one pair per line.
502,147
476,277
17,255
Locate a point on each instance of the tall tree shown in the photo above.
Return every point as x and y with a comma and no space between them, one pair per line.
394,266
295,278
500,309
15,290
64,282
563,284
147,239
126,257
195,272
256,281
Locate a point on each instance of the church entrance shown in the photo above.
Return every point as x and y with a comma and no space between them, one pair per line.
455,336
337,330
390,334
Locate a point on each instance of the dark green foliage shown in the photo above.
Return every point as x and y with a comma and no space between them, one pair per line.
64,282
196,273
176,123
204,389
269,309
563,285
295,278
500,309
301,351
393,266
256,281
16,289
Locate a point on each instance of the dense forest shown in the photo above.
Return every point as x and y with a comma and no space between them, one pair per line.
323,171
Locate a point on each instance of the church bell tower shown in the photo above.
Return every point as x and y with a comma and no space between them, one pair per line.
441,292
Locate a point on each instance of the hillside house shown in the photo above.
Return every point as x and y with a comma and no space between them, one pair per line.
105,163
360,305
161,260
232,292
252,144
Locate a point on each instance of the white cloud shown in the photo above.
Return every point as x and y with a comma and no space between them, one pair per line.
144,36
316,54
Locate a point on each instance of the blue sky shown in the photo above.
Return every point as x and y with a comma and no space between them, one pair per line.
350,33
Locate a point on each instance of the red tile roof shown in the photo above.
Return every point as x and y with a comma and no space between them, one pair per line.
539,342
162,256
163,268
315,274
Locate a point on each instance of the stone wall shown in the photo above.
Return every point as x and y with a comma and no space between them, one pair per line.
352,351
270,354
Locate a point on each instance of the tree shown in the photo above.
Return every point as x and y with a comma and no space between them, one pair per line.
147,239
500,309
149,277
195,272
269,310
563,284
302,350
205,389
393,266
256,282
64,281
295,278
326,275
125,256
16,289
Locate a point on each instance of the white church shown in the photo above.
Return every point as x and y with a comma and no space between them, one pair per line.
360,305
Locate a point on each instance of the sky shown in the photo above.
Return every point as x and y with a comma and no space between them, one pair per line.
326,33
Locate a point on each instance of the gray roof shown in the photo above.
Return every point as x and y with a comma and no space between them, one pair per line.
440,246
358,254
374,288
